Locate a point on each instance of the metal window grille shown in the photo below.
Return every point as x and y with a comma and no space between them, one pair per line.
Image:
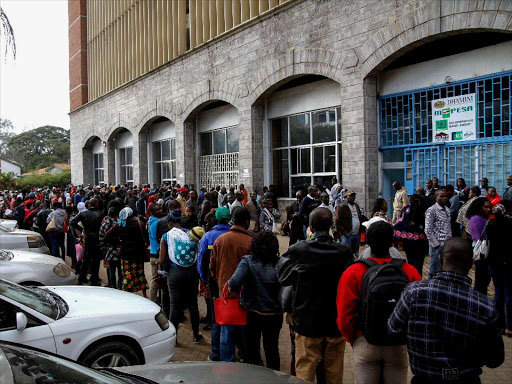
449,162
406,118
219,170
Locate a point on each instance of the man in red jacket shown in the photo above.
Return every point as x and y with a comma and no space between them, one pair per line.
371,362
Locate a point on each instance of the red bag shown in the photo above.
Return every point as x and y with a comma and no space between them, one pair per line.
229,311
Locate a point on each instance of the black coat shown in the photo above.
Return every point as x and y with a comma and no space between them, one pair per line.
313,268
133,239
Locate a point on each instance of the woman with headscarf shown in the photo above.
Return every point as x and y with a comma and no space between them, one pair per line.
133,236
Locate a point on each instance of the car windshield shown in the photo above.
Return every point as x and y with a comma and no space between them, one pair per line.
45,304
5,229
6,255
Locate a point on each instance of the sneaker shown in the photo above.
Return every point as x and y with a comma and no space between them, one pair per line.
198,338
211,358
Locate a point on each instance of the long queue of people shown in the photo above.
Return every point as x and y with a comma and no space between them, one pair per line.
223,244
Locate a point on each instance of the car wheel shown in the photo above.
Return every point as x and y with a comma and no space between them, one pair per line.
110,354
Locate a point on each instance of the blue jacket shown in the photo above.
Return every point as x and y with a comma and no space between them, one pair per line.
206,245
154,245
260,292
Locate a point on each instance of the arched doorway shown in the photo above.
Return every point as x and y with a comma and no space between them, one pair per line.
93,160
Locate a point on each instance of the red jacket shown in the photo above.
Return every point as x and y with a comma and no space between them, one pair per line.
349,293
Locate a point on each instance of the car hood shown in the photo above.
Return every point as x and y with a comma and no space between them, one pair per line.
210,373
97,301
34,258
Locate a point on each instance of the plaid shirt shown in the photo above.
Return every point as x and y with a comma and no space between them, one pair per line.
111,252
452,330
438,225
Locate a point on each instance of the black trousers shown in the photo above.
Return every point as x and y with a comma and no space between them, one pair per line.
482,276
183,289
268,327
92,258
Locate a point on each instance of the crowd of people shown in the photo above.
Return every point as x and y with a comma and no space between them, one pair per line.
223,243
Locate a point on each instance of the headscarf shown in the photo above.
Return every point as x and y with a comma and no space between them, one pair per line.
174,216
123,215
80,206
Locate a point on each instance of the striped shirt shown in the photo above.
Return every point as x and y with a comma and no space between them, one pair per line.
452,330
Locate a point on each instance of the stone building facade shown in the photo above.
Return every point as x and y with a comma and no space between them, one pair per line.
346,42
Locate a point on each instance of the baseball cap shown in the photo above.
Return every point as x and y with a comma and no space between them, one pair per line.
351,192
222,214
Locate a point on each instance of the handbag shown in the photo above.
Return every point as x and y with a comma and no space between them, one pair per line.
52,225
275,227
481,248
229,311
146,245
79,251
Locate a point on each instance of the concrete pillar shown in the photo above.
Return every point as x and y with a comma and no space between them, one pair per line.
250,137
359,136
109,162
87,166
185,152
140,155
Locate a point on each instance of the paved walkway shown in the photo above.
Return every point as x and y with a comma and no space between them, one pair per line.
187,351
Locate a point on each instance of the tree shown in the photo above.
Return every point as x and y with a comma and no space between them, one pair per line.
7,180
6,134
39,148
8,33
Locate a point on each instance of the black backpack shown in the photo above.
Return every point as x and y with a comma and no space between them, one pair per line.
380,292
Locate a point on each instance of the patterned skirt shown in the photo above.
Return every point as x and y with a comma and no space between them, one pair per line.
134,278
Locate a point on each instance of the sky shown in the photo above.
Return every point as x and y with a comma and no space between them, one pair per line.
34,88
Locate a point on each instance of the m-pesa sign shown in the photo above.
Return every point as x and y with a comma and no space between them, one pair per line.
454,119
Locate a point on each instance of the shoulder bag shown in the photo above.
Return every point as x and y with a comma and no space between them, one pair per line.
52,225
481,248
229,311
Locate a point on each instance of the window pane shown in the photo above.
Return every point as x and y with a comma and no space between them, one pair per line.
94,161
299,130
122,156
157,151
302,182
340,165
338,112
318,159
206,144
173,149
330,159
281,172
102,176
324,125
219,142
129,173
280,133
294,155
323,180
166,150
173,169
100,156
305,160
232,137
129,157
157,173
96,177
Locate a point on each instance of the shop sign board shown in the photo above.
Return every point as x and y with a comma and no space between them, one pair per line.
454,119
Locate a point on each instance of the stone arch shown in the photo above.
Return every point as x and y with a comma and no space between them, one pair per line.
205,92
87,157
330,64
116,127
433,20
90,138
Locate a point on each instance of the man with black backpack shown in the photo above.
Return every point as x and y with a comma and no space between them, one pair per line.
367,294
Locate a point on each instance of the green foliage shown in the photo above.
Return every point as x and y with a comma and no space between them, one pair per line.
7,180
6,134
59,180
39,148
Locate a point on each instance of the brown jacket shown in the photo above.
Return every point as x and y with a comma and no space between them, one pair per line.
227,252
343,221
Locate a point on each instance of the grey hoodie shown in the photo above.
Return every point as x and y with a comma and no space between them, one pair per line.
60,215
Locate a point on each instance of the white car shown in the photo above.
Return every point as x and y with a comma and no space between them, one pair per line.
99,327
29,268
22,239
10,224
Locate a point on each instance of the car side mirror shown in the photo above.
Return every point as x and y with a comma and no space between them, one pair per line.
21,321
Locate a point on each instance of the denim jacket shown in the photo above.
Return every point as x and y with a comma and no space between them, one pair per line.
259,285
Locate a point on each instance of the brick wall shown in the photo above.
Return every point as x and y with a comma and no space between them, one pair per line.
77,16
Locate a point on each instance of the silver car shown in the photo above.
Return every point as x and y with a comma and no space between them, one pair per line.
22,239
29,268
10,224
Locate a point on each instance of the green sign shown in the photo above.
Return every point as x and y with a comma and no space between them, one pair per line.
457,135
441,125
446,113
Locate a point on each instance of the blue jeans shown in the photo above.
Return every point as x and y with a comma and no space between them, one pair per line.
502,279
231,335
353,241
215,355
57,239
435,262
